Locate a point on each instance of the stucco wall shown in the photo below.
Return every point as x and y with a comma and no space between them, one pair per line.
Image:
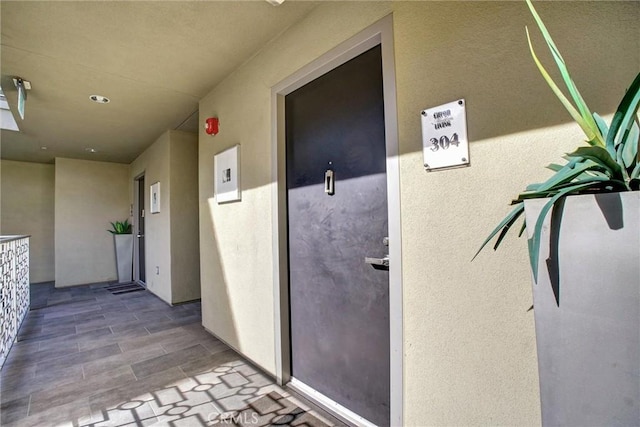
185,258
172,263
469,343
155,164
236,238
469,338
88,196
27,208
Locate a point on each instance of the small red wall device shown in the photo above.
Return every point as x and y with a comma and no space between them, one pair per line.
212,126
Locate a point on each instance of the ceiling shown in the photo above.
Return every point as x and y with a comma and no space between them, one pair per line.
153,60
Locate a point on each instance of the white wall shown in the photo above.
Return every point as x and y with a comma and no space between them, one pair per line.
88,196
469,344
27,208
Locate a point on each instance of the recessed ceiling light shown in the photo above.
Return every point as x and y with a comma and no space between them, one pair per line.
43,148
99,99
91,150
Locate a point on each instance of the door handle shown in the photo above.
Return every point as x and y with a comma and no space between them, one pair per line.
140,235
378,262
329,182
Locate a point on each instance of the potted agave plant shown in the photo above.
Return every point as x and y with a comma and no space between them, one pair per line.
583,227
123,241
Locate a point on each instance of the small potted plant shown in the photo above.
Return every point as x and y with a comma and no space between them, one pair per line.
583,225
123,241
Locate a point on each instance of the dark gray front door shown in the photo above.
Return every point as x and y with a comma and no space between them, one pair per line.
339,304
140,236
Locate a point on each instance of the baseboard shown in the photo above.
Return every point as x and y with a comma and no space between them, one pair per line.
328,404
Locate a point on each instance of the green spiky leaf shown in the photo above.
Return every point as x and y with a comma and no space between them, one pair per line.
600,156
508,220
611,163
534,242
624,115
587,121
602,125
119,227
629,150
591,136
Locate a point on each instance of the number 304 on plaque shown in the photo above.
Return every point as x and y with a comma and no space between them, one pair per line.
444,136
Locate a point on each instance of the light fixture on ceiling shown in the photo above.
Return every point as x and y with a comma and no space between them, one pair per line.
275,2
44,148
91,150
6,118
100,99
23,86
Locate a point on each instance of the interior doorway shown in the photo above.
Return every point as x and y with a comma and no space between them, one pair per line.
139,250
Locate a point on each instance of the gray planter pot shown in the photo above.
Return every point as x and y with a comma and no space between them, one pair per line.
587,310
124,256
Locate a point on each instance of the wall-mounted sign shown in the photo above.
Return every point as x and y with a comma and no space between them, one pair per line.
444,136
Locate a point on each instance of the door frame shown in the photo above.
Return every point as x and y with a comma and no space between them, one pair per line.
380,33
136,228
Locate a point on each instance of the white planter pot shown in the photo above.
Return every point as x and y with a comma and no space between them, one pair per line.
587,310
124,256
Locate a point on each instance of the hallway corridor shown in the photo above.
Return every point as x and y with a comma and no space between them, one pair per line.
87,357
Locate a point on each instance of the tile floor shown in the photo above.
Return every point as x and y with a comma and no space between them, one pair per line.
86,357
